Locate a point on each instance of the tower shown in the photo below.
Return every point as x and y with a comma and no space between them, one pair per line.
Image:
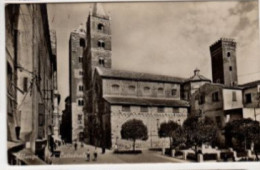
77,45
223,61
97,54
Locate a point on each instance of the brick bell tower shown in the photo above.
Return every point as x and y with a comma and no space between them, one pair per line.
97,54
223,61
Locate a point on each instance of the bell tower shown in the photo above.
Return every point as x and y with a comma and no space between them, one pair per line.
98,52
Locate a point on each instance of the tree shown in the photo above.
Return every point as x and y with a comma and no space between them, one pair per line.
133,130
245,131
199,130
173,131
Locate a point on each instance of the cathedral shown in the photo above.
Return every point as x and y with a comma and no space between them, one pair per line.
103,99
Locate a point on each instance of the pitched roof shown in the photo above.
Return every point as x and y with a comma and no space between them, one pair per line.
250,84
147,101
129,75
99,11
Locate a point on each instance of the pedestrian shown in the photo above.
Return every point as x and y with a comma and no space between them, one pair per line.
95,154
82,144
88,155
75,146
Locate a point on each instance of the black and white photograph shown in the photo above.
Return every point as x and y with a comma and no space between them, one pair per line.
132,82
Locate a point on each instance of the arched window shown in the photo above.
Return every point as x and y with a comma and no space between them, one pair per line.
100,26
160,90
228,54
146,89
101,61
101,43
115,87
131,88
82,42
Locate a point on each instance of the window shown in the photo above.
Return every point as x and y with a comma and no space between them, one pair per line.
81,73
80,59
215,97
100,26
160,109
234,96
228,54
82,42
144,109
146,89
25,84
79,119
201,99
230,68
80,102
81,88
115,87
101,61
174,92
101,43
248,98
126,108
175,110
160,90
131,88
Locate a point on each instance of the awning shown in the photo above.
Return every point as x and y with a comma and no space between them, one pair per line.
28,157
13,146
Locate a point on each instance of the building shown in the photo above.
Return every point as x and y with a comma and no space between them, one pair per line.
251,100
56,117
77,44
66,123
219,102
192,84
32,68
113,97
223,62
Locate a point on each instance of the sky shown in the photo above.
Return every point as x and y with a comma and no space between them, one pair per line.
166,38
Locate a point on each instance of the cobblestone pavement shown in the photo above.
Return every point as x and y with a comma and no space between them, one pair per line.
71,156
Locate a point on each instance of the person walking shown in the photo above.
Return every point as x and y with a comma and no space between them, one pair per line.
95,155
75,145
88,155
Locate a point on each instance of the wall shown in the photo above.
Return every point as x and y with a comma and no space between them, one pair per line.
139,90
252,113
152,119
254,96
229,103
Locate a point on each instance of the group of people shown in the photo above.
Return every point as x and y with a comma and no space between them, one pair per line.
88,152
94,155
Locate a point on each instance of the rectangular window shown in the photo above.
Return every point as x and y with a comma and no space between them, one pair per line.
81,73
234,96
160,109
248,98
126,108
174,92
202,99
25,84
144,109
215,97
230,68
80,59
175,110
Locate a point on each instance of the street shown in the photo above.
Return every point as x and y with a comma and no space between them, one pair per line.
71,156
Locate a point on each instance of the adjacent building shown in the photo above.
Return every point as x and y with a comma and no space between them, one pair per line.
251,100
77,44
31,65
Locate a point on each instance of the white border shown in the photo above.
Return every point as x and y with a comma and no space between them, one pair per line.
156,166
